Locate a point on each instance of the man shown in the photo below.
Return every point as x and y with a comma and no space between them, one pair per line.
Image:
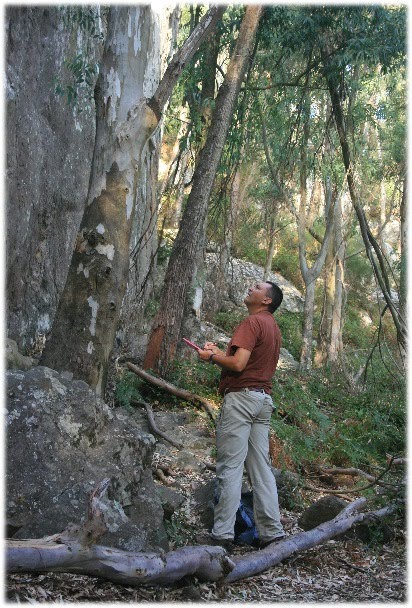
242,430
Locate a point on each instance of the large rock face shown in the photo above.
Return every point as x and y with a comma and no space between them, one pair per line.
62,440
50,148
241,275
49,152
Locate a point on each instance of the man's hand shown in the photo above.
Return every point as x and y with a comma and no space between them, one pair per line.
211,346
234,363
204,354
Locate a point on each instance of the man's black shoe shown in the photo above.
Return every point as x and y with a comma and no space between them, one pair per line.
258,544
208,539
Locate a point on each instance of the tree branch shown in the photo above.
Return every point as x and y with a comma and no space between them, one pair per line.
170,388
180,59
152,423
255,563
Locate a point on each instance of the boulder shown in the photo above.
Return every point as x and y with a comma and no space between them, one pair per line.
324,509
170,499
203,497
288,484
14,359
242,274
62,440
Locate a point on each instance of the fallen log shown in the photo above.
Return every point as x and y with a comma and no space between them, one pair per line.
74,551
71,551
58,555
255,563
174,390
352,471
152,423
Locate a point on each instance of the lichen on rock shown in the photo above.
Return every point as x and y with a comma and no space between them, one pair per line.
62,440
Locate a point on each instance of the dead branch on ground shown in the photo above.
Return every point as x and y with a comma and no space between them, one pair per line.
255,563
174,390
152,423
160,475
72,551
375,481
352,471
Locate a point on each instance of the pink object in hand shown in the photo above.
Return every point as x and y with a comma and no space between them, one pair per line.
191,344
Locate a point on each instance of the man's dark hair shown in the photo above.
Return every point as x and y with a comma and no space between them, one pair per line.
274,292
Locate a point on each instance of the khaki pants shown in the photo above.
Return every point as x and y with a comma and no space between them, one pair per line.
242,436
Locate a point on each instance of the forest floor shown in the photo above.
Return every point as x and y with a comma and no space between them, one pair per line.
340,570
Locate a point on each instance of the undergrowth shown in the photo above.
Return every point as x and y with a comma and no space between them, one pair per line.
320,421
317,420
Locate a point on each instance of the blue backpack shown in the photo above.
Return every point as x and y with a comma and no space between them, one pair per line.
245,529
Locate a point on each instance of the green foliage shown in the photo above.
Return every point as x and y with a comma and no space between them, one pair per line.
286,260
151,308
320,421
195,376
75,81
179,532
228,320
80,73
83,18
290,324
355,333
128,386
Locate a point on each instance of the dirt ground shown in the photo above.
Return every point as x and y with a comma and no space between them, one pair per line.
341,570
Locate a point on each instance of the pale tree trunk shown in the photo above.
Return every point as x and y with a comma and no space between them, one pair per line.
272,212
84,328
211,53
404,250
172,160
271,241
307,333
373,250
75,551
335,345
330,331
225,249
167,323
144,247
310,275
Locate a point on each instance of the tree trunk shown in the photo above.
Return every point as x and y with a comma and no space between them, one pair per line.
404,251
63,553
225,248
373,250
271,241
126,568
330,331
307,334
167,323
174,390
335,345
84,328
255,563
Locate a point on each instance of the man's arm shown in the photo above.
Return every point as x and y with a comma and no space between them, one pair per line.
234,363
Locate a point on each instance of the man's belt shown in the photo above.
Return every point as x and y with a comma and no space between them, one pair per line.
248,388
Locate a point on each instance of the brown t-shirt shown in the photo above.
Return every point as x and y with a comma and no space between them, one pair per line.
259,333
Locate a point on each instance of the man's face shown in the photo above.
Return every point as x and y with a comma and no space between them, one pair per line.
258,294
